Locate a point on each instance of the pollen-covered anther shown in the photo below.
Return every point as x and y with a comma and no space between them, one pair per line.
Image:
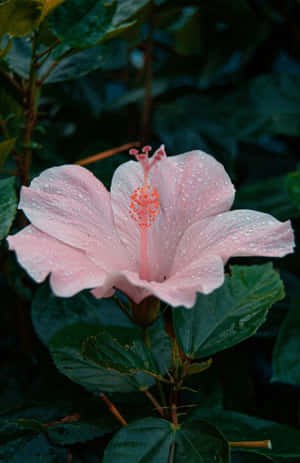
144,206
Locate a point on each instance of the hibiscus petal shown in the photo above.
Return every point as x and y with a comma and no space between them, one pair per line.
40,254
235,233
191,186
203,276
71,204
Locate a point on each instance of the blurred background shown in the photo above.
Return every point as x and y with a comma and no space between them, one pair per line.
222,76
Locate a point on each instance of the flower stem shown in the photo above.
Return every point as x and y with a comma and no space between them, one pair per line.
113,409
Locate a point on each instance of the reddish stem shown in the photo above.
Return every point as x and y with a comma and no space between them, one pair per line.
113,409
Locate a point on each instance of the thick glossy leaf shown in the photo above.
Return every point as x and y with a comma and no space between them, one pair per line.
286,355
51,314
6,147
231,313
82,23
105,350
68,348
150,440
85,23
8,205
292,184
19,17
239,427
268,196
81,63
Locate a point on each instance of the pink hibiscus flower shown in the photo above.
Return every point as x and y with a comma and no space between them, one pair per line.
165,229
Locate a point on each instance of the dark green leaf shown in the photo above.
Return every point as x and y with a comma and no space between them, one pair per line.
81,431
8,205
106,351
84,23
231,313
268,196
239,427
81,63
22,440
286,356
150,440
268,104
6,148
292,184
68,351
51,314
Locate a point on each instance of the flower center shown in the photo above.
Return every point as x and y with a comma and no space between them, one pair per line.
144,206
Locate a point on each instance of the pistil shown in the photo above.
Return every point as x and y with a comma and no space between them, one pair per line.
144,206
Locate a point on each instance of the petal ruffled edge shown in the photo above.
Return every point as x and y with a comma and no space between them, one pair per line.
181,290
70,269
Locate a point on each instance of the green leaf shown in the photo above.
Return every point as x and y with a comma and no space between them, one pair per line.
22,440
292,184
239,427
267,104
72,433
93,420
19,17
67,348
51,314
286,355
231,313
8,205
268,196
150,440
78,64
105,350
6,147
243,457
82,24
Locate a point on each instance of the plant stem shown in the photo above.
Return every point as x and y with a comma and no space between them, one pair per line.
107,153
30,115
263,444
146,338
53,65
171,455
146,113
155,402
113,409
48,50
174,414
67,419
12,81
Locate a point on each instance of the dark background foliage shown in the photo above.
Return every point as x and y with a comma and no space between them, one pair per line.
218,75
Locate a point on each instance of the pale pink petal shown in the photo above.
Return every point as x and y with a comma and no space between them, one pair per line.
191,186
203,276
235,233
40,254
71,204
